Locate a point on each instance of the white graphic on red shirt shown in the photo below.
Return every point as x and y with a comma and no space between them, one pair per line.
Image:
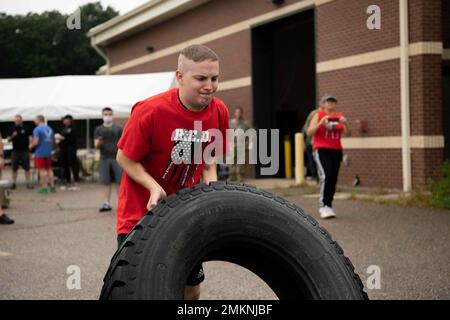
188,145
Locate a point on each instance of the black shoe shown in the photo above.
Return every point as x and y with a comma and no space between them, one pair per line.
13,187
105,207
4,219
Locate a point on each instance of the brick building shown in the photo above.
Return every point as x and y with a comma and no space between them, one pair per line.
279,57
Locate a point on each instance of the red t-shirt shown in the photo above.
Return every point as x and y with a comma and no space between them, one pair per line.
160,135
328,136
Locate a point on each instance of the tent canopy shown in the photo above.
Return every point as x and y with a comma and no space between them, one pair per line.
81,96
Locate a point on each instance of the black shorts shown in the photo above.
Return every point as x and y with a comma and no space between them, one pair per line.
195,278
20,158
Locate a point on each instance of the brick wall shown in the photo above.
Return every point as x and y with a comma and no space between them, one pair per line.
376,168
206,18
382,168
370,92
425,20
342,31
426,165
232,65
426,95
426,89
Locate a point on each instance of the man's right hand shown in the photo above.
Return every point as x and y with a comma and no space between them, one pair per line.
99,142
323,120
156,194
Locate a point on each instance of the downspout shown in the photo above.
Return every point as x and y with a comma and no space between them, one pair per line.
405,96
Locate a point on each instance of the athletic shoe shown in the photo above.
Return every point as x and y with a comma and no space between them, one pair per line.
4,219
43,190
326,212
74,187
52,189
105,207
13,187
331,212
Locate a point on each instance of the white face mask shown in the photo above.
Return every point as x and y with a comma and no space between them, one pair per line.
107,120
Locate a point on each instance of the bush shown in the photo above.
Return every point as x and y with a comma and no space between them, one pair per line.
441,189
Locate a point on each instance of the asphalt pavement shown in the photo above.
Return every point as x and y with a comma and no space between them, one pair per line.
409,246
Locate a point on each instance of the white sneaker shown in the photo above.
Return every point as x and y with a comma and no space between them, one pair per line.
326,212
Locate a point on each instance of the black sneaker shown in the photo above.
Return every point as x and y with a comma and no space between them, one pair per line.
4,219
13,187
105,207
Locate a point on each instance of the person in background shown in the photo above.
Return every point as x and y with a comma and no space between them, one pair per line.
311,169
4,219
43,139
67,141
237,171
20,136
326,128
106,137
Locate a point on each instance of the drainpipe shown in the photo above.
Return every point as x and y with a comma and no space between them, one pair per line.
405,97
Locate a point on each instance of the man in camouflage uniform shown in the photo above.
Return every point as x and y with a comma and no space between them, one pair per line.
237,171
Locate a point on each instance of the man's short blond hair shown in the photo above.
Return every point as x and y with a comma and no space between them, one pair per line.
197,53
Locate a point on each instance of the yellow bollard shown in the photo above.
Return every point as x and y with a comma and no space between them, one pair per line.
299,160
287,157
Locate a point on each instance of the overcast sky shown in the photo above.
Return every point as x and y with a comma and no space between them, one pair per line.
64,6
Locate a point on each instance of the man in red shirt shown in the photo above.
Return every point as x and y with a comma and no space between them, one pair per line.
157,147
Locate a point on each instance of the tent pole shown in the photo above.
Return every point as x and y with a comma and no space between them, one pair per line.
87,134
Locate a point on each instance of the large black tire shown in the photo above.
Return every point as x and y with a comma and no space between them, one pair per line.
236,223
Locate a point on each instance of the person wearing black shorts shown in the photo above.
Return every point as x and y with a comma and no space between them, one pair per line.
20,136
157,147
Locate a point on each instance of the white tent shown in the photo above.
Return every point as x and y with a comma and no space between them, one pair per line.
81,96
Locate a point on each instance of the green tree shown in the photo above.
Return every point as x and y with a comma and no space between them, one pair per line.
36,45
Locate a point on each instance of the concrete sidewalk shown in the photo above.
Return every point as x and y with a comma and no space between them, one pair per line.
411,247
